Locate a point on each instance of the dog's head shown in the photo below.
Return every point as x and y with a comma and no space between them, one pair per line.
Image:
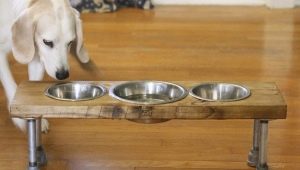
47,29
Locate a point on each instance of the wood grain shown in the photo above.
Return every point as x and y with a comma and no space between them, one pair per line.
265,102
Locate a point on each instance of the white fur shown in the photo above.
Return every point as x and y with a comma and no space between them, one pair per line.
55,21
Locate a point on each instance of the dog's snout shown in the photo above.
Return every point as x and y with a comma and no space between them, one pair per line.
62,74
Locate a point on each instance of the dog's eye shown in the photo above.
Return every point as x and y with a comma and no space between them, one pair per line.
48,43
70,43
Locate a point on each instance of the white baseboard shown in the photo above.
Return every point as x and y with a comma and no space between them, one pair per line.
280,3
210,2
268,3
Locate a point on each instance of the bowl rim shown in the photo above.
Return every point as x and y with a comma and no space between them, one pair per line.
113,95
222,100
95,84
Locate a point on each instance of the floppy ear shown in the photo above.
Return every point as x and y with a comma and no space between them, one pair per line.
80,51
23,37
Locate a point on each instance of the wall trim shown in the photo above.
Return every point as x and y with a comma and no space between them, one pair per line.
211,2
280,3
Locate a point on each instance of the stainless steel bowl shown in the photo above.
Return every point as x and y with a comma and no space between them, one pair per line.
148,92
75,91
220,92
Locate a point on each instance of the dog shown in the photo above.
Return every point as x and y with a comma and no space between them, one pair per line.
40,33
102,6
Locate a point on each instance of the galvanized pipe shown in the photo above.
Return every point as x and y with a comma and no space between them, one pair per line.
256,134
253,154
31,127
262,156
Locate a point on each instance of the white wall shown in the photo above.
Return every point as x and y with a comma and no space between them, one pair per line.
280,3
209,2
269,3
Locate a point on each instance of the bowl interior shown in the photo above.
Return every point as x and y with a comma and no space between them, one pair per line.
75,91
220,92
148,92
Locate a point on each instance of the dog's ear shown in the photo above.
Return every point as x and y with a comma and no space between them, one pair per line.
80,50
23,29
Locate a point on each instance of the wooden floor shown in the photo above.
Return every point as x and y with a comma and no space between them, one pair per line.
174,43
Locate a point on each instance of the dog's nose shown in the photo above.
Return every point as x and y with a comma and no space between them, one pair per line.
62,74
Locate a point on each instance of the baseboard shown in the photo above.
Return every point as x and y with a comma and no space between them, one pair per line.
210,2
280,4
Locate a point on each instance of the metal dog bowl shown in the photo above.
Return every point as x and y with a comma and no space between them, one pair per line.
223,92
75,91
148,92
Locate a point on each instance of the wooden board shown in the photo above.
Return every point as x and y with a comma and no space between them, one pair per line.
265,102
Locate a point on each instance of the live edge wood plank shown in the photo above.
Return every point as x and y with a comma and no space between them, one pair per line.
265,102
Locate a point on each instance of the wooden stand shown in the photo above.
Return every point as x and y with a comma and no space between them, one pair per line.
265,103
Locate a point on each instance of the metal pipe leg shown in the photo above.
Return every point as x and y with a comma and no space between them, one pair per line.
41,155
32,157
262,156
253,154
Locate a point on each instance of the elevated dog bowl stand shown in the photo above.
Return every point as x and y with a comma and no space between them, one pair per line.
265,103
